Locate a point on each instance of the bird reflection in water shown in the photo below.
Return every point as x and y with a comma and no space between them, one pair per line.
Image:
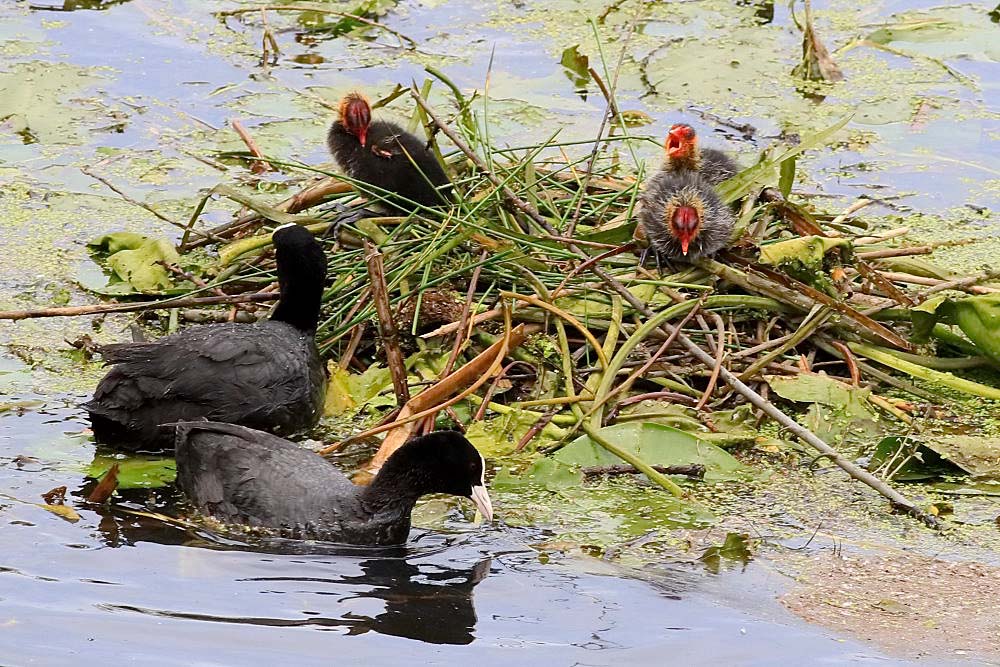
434,607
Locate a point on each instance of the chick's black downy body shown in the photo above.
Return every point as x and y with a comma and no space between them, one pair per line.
717,166
267,375
667,191
242,476
397,165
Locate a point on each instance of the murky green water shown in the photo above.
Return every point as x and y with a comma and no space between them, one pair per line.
141,92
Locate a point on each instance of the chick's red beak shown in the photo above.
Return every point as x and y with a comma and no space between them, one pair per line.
674,143
363,136
685,225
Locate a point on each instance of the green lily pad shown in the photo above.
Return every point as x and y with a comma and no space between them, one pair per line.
655,444
135,471
945,33
547,472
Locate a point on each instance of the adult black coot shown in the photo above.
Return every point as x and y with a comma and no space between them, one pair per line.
242,476
683,217
684,154
382,154
266,375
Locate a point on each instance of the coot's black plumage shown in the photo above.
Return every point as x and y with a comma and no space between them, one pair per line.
683,217
684,154
242,476
397,164
266,375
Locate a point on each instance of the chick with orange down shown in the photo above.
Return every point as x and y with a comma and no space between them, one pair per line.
382,154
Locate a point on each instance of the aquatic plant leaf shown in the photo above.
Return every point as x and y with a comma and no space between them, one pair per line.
63,511
135,471
838,411
906,459
977,455
338,392
763,173
576,67
806,250
735,548
634,118
138,260
928,314
547,472
655,444
817,64
977,316
40,101
917,267
942,33
499,436
786,176
348,391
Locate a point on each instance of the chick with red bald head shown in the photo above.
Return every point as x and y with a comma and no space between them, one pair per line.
385,161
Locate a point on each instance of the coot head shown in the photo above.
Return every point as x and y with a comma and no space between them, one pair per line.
439,462
682,141
301,274
356,115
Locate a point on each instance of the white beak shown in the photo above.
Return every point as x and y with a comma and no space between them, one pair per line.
482,500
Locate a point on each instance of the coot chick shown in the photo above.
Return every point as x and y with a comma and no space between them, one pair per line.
684,154
242,476
683,217
267,375
397,164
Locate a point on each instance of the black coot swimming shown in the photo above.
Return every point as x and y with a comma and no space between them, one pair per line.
684,154
384,155
243,476
683,217
266,375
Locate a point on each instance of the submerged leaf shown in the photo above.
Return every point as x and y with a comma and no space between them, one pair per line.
979,456
735,548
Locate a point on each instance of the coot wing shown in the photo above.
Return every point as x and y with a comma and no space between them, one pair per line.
240,475
267,375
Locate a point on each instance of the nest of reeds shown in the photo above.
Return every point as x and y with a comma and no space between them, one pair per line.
528,298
